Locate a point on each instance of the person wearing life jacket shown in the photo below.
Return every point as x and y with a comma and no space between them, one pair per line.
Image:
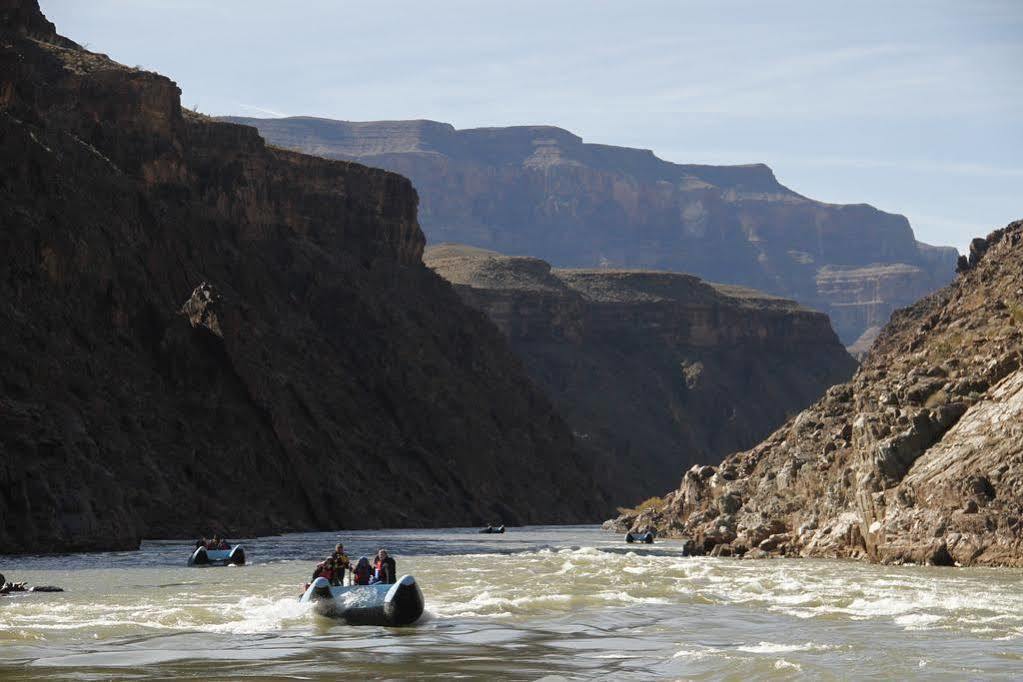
223,545
326,569
384,568
363,572
341,561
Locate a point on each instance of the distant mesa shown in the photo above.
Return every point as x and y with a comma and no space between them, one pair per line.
542,191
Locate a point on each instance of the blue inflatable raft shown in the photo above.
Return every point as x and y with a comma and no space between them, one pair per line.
217,557
389,605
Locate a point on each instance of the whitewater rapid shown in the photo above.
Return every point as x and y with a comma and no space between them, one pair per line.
569,602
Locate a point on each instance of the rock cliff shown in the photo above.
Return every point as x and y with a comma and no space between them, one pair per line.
204,334
654,371
918,459
542,191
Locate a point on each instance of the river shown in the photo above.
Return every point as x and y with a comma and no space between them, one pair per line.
537,602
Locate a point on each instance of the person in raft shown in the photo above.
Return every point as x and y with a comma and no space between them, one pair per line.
384,569
215,543
363,572
341,560
332,568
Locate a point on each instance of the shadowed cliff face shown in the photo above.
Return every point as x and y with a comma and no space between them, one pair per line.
918,459
654,371
541,191
203,334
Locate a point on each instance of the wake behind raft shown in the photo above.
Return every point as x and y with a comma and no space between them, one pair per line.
234,556
392,605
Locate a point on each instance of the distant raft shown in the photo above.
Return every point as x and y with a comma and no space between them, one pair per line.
393,605
647,537
492,529
15,588
217,557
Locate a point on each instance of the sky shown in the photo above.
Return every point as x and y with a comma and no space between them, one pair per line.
915,107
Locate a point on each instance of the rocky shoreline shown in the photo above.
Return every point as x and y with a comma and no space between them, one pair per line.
918,459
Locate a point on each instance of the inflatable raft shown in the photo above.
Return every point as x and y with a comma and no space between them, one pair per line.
492,529
646,537
390,605
217,557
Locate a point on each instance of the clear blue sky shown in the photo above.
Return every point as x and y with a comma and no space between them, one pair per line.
913,106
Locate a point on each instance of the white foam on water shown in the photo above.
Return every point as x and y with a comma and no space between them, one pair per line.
782,664
487,604
918,621
624,597
773,648
697,654
565,568
258,614
586,552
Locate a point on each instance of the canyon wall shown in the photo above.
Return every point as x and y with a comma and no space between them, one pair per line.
542,191
205,334
654,371
918,459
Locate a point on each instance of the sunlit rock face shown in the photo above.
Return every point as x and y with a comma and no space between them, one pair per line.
541,191
918,459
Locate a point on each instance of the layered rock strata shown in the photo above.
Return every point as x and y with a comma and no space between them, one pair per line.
654,371
204,334
542,191
918,459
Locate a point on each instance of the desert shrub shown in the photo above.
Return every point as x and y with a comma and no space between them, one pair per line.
1016,314
645,505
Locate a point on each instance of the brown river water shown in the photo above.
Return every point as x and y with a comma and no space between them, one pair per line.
536,603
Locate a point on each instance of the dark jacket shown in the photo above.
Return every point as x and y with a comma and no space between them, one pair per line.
362,572
386,570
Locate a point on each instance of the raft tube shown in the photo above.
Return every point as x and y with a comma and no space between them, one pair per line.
217,557
388,605
646,537
492,529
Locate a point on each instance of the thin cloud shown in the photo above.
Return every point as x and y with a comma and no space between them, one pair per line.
261,110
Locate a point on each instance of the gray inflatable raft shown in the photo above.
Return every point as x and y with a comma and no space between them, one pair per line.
392,605
217,557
